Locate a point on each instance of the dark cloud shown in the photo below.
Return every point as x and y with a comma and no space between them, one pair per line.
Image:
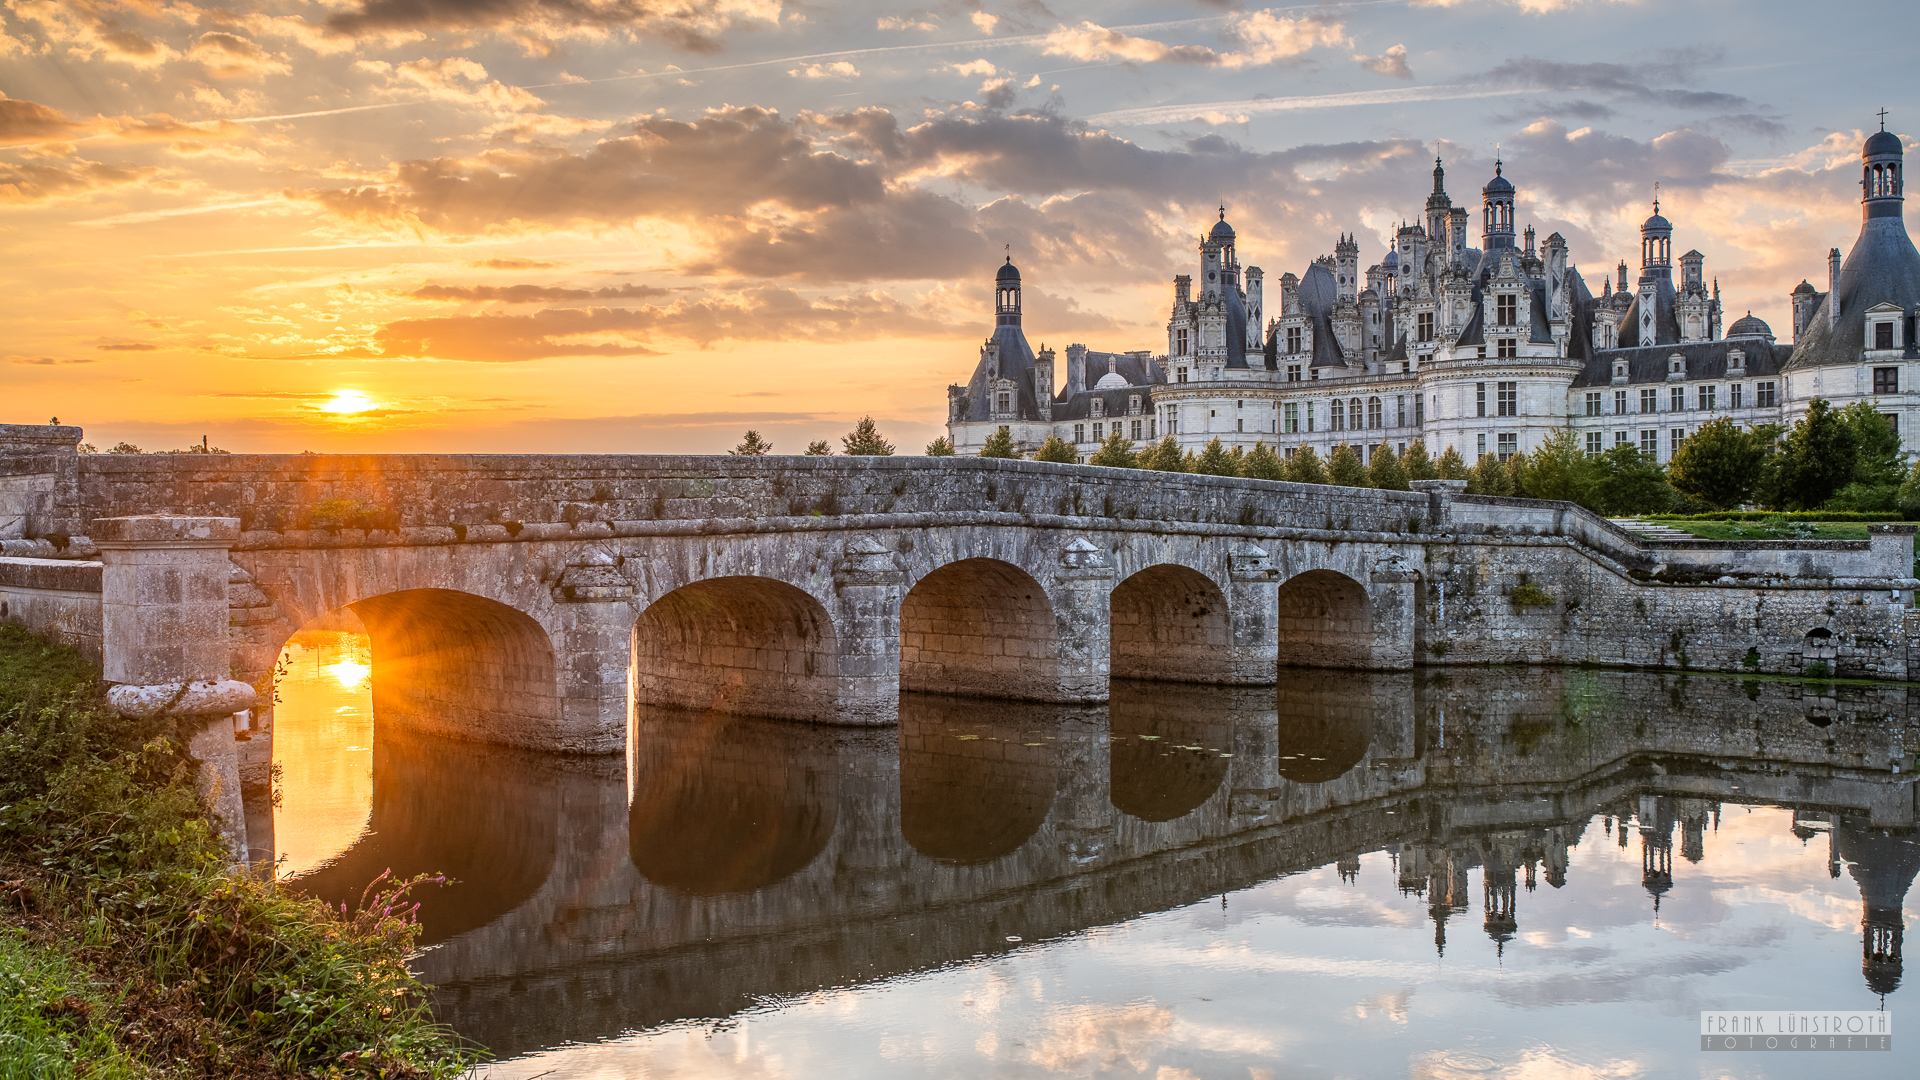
515,263
690,25
131,346
40,181
27,122
49,360
765,314
1633,82
535,294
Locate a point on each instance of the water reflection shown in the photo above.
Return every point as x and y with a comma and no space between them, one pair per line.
323,745
1548,838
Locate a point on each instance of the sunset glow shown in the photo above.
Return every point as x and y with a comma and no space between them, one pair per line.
547,227
350,674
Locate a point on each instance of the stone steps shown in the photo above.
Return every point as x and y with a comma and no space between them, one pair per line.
1648,530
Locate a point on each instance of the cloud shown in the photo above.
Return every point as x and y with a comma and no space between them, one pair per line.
534,294
973,67
230,56
839,69
1263,37
131,346
41,361
1091,43
925,20
514,262
690,25
32,181
763,314
455,79
1392,62
1531,7
1627,81
984,22
27,122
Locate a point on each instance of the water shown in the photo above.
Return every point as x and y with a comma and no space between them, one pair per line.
1503,873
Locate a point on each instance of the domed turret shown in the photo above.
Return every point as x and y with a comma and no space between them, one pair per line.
1880,180
1006,292
1656,241
1008,273
1221,230
1750,327
1497,202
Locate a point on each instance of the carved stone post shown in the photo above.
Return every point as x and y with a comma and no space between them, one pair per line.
1390,595
1253,605
869,585
163,600
1083,621
592,649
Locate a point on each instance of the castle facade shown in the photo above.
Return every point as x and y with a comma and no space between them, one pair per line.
1485,349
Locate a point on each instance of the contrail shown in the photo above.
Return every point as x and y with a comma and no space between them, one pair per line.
178,211
326,112
1163,114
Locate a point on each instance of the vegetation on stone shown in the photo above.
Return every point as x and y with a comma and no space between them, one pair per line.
129,946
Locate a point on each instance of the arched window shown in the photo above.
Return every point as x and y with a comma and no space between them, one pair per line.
1338,416
1373,412
1353,414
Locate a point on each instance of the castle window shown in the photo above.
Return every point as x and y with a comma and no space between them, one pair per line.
1293,418
1507,308
1419,410
1133,404
1099,433
1619,438
1649,401
1480,446
1180,342
1293,372
1337,420
1509,399
1593,403
1620,370
1373,412
1309,408
1079,433
1293,339
1764,395
1480,403
1239,424
1099,408
1883,335
1509,444
1736,360
1400,410
1619,403
1886,380
1133,430
1353,414
1893,421
1153,427
1509,348
1677,399
1734,396
1674,439
1649,441
1182,374
1425,323
1676,365
1003,401
1593,444
1707,395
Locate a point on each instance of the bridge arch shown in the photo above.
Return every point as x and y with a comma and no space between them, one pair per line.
1164,753
1325,619
1169,624
752,646
459,665
979,627
971,789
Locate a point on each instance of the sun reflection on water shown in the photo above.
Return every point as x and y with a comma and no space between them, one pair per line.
322,744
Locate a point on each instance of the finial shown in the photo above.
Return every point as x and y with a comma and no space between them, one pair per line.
1009,254
1223,210
1656,196
1883,119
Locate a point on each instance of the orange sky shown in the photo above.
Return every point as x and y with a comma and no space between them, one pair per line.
525,225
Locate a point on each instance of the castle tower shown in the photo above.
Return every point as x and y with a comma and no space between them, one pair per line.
1006,292
1439,208
1656,270
1497,199
1883,864
1346,267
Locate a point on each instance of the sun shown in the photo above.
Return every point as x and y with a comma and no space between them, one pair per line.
348,401
350,673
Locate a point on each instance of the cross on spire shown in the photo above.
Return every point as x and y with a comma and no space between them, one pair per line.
1009,254
1656,196
1883,118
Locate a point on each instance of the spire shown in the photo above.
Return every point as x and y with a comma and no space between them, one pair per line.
1439,177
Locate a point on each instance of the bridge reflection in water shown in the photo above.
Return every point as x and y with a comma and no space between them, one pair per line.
756,860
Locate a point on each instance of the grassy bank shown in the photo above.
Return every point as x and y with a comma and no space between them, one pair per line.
127,945
1768,528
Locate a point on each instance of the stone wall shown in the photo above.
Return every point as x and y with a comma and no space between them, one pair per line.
39,481
58,599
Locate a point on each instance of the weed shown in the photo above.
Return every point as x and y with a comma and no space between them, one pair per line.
1526,594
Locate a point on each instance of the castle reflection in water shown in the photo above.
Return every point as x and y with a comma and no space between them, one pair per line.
756,859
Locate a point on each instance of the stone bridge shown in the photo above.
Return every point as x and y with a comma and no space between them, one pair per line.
534,600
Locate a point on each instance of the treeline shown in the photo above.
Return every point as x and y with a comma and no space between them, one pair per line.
1836,460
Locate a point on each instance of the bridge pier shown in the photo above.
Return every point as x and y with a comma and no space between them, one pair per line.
592,634
163,604
1083,622
870,588
1390,598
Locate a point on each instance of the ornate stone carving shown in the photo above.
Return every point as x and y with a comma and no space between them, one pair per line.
594,579
1250,562
1082,560
867,562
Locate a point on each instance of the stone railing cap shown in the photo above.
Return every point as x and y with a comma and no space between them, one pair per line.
1455,486
165,528
1894,529
40,434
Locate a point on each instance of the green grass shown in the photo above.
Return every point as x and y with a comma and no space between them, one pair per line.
217,973
1770,529
52,1019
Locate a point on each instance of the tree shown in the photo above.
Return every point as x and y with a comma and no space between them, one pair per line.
1908,499
1877,459
1720,464
1488,477
1305,467
1116,452
1385,472
819,448
940,447
1628,482
1000,444
1057,449
1450,466
1215,461
1163,457
752,446
125,448
1345,469
865,441
1816,458
1558,469
1415,462
1263,464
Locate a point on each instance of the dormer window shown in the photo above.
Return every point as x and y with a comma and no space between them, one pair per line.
1676,365
1620,370
1507,308
1736,360
1883,335
1099,407
1133,405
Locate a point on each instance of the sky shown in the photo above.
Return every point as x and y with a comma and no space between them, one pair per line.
639,226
